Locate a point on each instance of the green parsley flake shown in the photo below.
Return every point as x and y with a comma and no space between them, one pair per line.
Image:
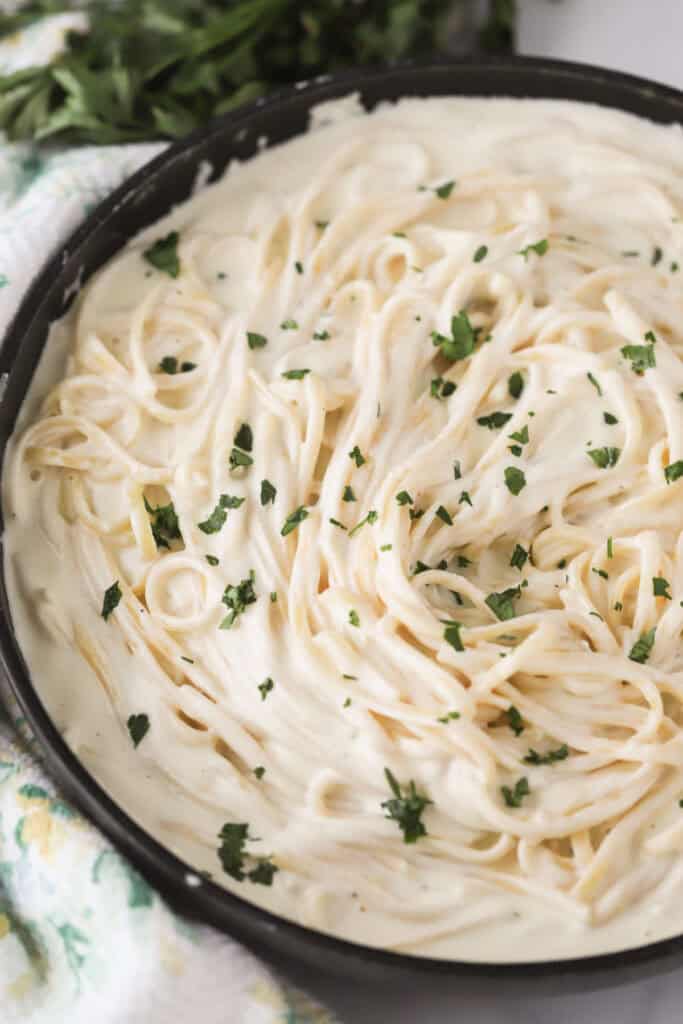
268,492
386,547
656,257
236,597
354,620
595,384
641,357
515,481
601,573
495,420
169,364
289,325
293,520
244,438
540,248
522,436
519,557
232,855
457,472
450,716
259,771
440,388
444,191
138,727
239,460
404,498
513,797
444,515
212,560
610,547
255,340
406,808
335,522
480,254
451,635
551,757
465,499
609,419
462,340
515,384
356,456
673,471
604,458
660,587
321,336
163,254
370,518
265,687
348,494
164,524
642,648
299,267
501,604
216,520
112,596
514,720
295,374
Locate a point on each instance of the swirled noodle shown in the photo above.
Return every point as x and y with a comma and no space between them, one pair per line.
431,358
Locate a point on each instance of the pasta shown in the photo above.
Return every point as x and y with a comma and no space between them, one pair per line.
344,527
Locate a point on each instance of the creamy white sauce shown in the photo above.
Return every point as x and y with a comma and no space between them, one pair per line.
590,859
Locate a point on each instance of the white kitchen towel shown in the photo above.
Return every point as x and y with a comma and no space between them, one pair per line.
83,937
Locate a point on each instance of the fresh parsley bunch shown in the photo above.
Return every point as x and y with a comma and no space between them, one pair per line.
150,69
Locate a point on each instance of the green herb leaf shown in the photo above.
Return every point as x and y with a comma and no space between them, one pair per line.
515,481
169,364
450,716
112,596
595,384
237,597
519,557
501,604
244,438
259,771
451,635
239,459
164,524
295,374
403,498
660,587
440,388
406,808
444,515
463,338
514,720
335,522
444,191
515,384
321,336
642,357
255,340
216,520
674,471
212,560
289,325
348,494
521,435
642,648
356,456
551,757
370,518
354,620
138,727
465,499
513,797
236,861
163,254
480,254
268,493
265,687
604,458
293,520
495,420
609,419
540,248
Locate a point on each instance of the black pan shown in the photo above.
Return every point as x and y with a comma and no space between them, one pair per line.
140,201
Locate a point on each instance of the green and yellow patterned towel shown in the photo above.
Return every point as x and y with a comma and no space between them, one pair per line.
83,938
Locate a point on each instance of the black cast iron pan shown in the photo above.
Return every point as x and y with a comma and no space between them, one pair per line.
140,201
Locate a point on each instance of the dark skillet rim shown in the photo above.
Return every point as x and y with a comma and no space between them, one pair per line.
209,902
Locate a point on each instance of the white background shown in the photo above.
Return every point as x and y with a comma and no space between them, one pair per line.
644,37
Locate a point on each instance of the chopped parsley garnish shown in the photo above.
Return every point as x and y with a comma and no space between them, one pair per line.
321,336
354,619
321,224
299,267
356,456
293,520
465,499
295,374
656,257
440,388
112,596
212,560
289,325
480,254
609,419
513,797
604,458
444,191
594,383
495,420
450,716
163,254
457,472
169,364
444,515
244,438
673,471
265,687
236,597
521,436
239,460
660,587
347,703
259,771
551,757
216,520
642,648
335,522
519,557
514,720
370,518
189,661
348,494
540,248
404,498
642,357
501,604
268,492
138,727
386,547
255,340
515,481
451,635
273,596
610,547
462,340
232,855
618,607
601,573
515,384
164,524
406,808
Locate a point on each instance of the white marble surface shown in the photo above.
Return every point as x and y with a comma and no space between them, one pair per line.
644,38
